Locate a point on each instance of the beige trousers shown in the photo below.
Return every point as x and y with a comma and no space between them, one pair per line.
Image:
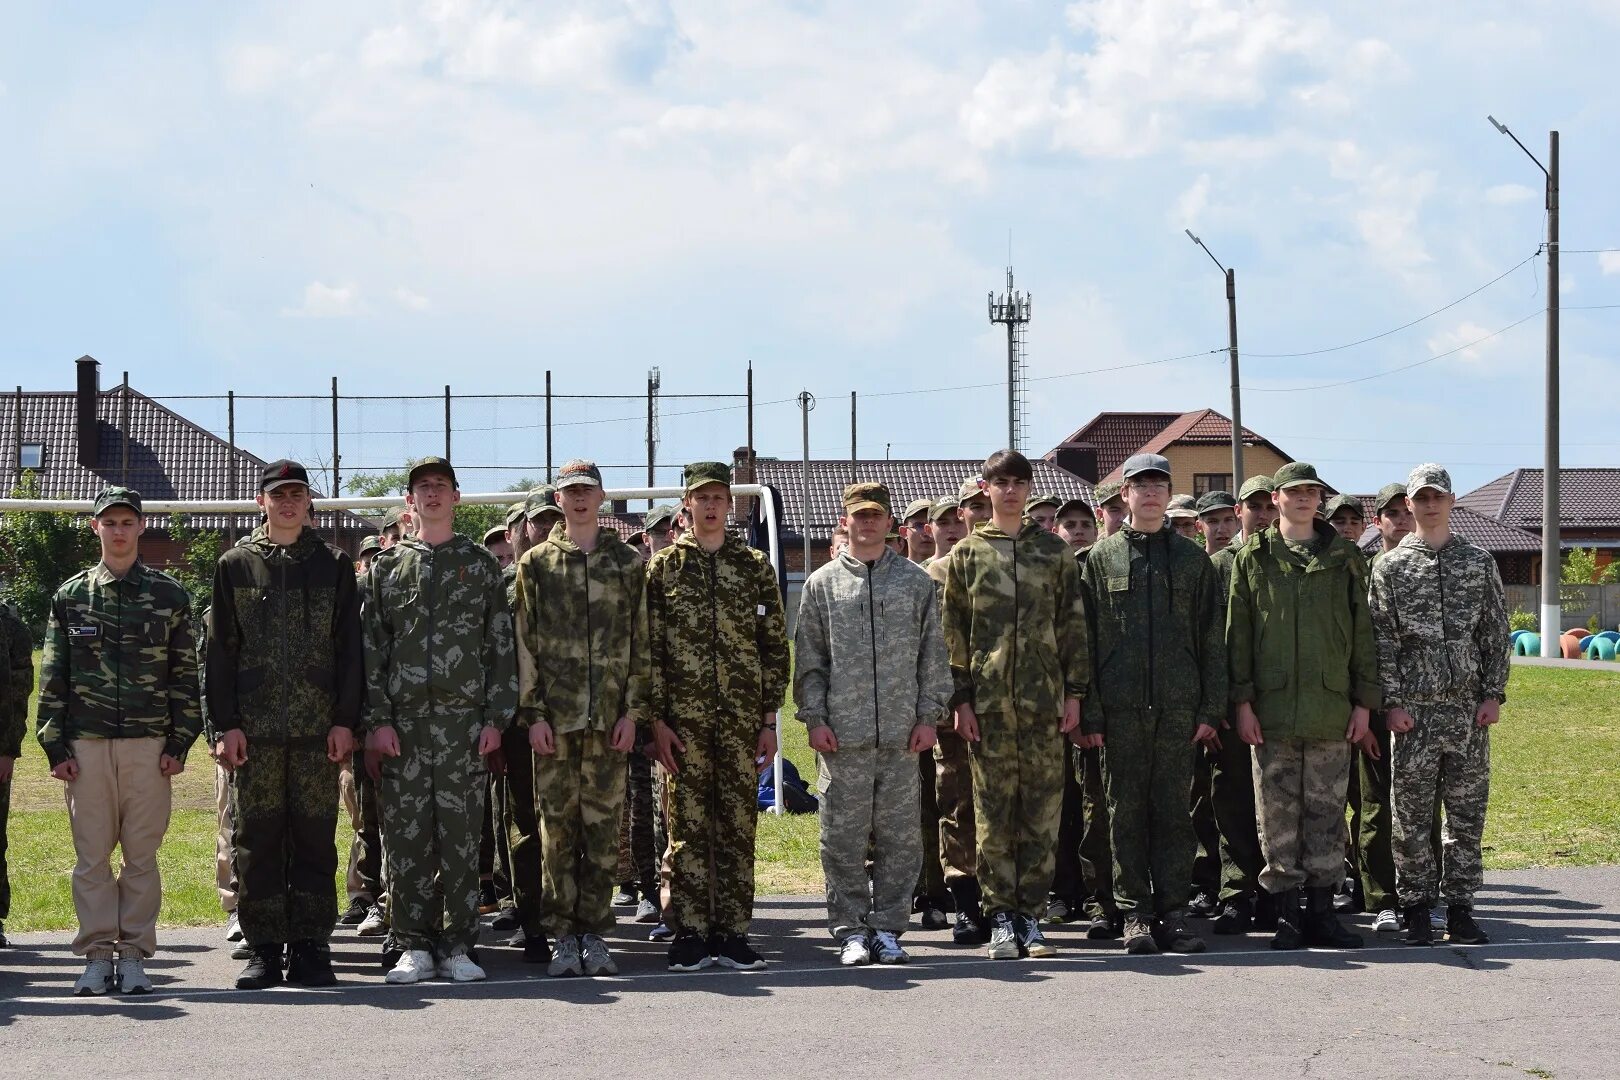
119,799
224,879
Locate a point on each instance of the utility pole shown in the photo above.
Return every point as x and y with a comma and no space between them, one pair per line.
853,456
807,402
655,381
1012,309
1232,350
1551,547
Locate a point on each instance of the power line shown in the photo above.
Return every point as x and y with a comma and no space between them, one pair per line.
1045,378
1403,326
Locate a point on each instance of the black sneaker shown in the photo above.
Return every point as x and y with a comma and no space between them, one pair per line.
1461,929
970,927
1233,918
734,952
487,900
932,918
1174,935
1418,930
689,952
1265,912
1031,942
1202,905
310,964
506,919
1104,927
661,932
263,969
4,944
359,907
536,949
391,952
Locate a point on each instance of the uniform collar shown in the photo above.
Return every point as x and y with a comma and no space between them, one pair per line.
101,576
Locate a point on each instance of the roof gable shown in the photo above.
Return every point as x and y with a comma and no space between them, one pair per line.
1587,499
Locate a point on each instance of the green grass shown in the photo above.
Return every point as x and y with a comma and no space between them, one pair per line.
1553,803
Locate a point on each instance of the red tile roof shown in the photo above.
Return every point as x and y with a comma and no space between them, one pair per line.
1476,528
1116,436
1587,499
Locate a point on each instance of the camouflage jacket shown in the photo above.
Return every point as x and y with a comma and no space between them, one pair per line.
1299,638
1160,640
1015,623
1222,562
438,635
717,639
16,680
285,659
120,663
581,634
1440,621
868,654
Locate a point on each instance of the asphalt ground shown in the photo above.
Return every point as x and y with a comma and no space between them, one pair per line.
1543,999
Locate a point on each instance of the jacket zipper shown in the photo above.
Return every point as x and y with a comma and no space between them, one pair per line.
428,641
1153,686
1440,572
714,721
590,648
118,591
871,618
1015,611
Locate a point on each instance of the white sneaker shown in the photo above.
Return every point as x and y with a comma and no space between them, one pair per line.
132,976
415,965
1387,922
97,978
886,949
595,956
855,951
459,967
233,928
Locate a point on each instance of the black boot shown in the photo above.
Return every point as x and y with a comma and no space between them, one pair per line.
1290,931
1322,926
1235,916
970,927
1265,911
1418,930
310,964
263,968
1461,929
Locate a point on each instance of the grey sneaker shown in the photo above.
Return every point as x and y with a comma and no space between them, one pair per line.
595,956
1003,938
855,950
646,911
565,959
132,976
886,949
375,924
1387,922
97,978
233,928
1139,936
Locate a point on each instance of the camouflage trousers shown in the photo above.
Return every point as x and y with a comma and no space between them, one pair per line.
1299,789
283,841
953,795
1147,773
1374,825
1446,756
638,862
869,804
1231,782
521,826
5,879
432,799
1017,801
1206,871
1096,851
579,794
931,878
713,814
1068,880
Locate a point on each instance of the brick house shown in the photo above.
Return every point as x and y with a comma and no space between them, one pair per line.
1198,445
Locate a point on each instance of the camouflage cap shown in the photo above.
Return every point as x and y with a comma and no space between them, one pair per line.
659,517
1049,499
1182,506
430,465
1296,474
116,496
1256,485
1428,475
942,506
1076,503
369,546
915,507
1107,492
1137,464
542,500
516,512
1386,495
1211,501
705,472
892,536
493,534
1343,502
867,496
969,489
578,473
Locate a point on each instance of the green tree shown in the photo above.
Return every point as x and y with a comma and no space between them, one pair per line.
470,520
38,551
199,551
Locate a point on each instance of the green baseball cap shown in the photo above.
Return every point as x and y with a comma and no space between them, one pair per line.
1428,475
700,473
1255,485
1049,499
658,517
116,496
431,465
1107,492
915,507
1343,502
1296,474
493,534
542,500
969,489
578,473
1076,503
867,496
369,546
1388,494
942,506
391,519
515,513
1181,506
1211,501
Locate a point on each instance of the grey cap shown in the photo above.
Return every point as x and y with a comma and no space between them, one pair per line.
915,507
1428,475
658,516
942,506
1137,464
1211,501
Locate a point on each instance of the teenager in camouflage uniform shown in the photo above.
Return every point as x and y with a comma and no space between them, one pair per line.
1303,679
286,678
442,684
1441,624
1015,626
581,631
1076,525
16,683
871,682
117,714
1217,522
718,647
1160,687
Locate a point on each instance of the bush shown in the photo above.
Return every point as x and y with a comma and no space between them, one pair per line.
200,551
38,551
1521,620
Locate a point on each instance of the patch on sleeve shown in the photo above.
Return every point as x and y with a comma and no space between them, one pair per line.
84,633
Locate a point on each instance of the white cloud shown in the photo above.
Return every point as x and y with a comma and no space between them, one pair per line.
1508,194
1190,205
411,300
1609,262
1462,338
323,301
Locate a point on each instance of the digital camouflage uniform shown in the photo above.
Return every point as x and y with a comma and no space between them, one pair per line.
1440,620
1160,672
582,665
1300,652
439,668
286,664
870,663
1231,778
719,663
16,683
1095,853
1015,628
953,780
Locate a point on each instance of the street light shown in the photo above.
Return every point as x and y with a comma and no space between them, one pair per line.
1231,326
1551,549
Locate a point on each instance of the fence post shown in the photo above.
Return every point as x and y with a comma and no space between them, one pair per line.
123,423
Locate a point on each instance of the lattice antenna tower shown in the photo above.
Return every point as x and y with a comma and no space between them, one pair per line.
655,383
1011,309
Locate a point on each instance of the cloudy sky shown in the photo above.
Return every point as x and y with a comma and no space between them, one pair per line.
259,196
